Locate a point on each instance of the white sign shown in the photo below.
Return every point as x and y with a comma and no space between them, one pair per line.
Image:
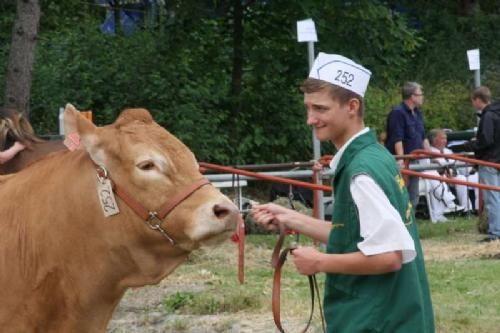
306,31
473,56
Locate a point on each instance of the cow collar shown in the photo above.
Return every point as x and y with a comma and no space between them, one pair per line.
153,219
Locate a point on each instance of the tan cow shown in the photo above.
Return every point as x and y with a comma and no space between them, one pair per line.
64,266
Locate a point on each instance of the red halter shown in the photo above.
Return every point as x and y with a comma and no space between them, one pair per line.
154,219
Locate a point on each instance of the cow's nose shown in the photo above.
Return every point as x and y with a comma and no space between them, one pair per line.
224,210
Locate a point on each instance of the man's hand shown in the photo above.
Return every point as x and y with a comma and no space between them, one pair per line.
18,146
264,217
8,154
317,166
271,216
306,260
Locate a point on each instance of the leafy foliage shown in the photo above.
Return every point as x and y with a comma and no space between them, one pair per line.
180,69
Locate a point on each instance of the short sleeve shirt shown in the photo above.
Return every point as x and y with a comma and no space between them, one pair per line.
405,126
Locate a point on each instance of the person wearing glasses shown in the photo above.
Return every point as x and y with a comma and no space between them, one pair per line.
405,131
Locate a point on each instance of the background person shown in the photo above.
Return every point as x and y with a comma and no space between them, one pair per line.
406,132
442,200
375,274
486,147
9,153
439,140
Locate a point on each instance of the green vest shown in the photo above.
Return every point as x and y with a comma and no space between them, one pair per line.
391,302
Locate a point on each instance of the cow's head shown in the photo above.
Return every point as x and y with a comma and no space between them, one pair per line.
153,166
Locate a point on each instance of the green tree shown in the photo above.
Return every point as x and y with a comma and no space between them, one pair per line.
225,78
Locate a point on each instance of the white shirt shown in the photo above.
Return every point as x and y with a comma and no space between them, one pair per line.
441,160
381,226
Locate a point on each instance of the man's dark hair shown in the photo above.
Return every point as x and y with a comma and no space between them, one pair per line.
483,93
339,94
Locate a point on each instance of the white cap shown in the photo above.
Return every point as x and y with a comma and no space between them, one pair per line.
341,71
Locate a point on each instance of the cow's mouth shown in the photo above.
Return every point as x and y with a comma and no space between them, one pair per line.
217,238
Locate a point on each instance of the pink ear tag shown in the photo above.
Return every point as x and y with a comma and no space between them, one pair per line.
72,141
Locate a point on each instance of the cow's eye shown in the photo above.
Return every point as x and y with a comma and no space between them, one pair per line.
146,165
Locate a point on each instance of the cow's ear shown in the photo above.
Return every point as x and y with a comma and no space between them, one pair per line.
70,114
75,123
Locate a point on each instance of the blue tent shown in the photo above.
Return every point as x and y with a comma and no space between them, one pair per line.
131,14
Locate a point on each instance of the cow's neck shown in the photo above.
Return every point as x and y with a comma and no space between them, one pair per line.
88,289
86,262
129,270
142,267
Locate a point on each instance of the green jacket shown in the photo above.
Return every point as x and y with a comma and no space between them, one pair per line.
392,302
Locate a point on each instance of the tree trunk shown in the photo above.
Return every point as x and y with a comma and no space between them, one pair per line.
237,71
237,74
468,7
21,57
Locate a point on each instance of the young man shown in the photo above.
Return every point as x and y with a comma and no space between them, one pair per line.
376,280
487,148
405,130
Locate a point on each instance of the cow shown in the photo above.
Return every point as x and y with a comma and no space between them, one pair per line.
18,128
64,263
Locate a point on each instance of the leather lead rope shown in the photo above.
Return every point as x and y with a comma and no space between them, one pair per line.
277,261
241,249
239,236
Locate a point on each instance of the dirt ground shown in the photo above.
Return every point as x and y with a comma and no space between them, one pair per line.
141,311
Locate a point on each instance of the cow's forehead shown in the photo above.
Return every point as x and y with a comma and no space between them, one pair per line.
137,139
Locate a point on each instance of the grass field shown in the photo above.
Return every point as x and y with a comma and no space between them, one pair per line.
464,277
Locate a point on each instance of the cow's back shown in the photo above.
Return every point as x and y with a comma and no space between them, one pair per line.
26,157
